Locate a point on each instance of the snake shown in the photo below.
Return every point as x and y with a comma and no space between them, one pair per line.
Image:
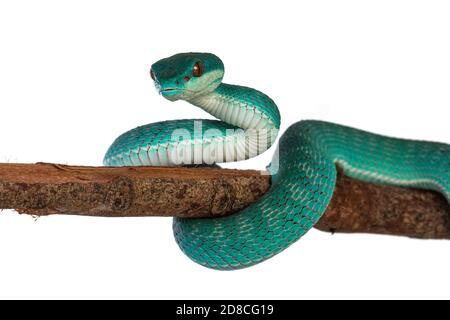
303,167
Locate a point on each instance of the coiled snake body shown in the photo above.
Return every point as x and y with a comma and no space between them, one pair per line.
303,168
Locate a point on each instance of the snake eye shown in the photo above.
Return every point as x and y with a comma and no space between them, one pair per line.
152,75
197,70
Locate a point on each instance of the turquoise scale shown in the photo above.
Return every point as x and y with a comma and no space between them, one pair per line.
303,187
138,147
252,98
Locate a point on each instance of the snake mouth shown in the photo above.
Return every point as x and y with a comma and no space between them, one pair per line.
170,90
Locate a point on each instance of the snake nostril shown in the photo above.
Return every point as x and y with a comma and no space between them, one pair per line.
178,83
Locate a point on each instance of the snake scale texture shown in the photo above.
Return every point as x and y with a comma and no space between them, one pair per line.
303,168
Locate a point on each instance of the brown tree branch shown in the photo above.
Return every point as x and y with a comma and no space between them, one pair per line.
44,189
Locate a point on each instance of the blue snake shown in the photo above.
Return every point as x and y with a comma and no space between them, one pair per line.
303,168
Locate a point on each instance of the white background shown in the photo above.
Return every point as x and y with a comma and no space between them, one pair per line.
74,75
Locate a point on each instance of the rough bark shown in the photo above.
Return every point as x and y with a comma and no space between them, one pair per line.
362,207
44,189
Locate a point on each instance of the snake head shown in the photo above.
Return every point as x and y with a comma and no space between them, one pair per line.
186,76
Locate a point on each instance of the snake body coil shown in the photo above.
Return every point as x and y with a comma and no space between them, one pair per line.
303,168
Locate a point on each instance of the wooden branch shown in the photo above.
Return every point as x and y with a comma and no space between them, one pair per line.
44,189
362,207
